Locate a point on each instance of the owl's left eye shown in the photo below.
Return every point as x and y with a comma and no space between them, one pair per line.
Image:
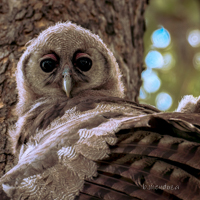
48,65
83,63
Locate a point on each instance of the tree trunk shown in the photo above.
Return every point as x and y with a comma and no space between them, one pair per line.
120,23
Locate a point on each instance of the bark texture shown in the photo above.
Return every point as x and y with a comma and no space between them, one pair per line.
120,23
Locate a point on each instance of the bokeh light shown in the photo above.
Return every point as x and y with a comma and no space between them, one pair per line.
172,51
163,101
168,61
194,38
143,94
151,82
161,38
196,61
154,59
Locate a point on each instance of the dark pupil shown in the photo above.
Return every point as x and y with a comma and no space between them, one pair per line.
84,64
48,65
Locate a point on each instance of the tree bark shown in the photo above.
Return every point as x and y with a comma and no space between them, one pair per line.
120,23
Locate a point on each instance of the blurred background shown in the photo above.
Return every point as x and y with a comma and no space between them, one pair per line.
172,53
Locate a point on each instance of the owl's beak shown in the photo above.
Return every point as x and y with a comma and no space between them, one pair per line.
67,81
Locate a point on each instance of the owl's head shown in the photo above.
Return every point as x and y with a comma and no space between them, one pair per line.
65,61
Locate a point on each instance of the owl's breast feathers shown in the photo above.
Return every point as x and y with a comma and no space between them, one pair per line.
109,148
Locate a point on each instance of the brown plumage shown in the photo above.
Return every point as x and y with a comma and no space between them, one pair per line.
61,44
77,138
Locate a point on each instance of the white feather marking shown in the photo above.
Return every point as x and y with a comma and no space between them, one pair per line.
36,105
68,152
85,133
30,184
24,153
8,189
21,151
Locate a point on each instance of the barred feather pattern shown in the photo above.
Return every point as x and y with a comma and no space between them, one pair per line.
147,163
61,157
112,150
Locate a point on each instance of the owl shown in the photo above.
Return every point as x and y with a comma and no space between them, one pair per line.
78,138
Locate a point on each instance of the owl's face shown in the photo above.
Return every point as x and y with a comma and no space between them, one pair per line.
67,60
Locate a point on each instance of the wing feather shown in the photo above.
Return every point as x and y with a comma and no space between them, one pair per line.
109,149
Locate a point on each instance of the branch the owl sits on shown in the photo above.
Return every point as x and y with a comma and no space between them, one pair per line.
78,138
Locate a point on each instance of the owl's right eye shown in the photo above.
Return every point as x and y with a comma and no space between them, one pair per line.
49,62
48,65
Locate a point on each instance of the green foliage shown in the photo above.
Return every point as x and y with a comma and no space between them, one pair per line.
178,17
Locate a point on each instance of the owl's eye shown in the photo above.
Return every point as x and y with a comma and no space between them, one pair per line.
83,63
48,65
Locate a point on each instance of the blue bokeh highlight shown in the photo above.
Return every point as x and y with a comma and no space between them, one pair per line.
154,59
161,38
151,81
163,101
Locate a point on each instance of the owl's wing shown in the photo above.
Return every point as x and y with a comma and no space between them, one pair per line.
110,150
55,161
157,156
